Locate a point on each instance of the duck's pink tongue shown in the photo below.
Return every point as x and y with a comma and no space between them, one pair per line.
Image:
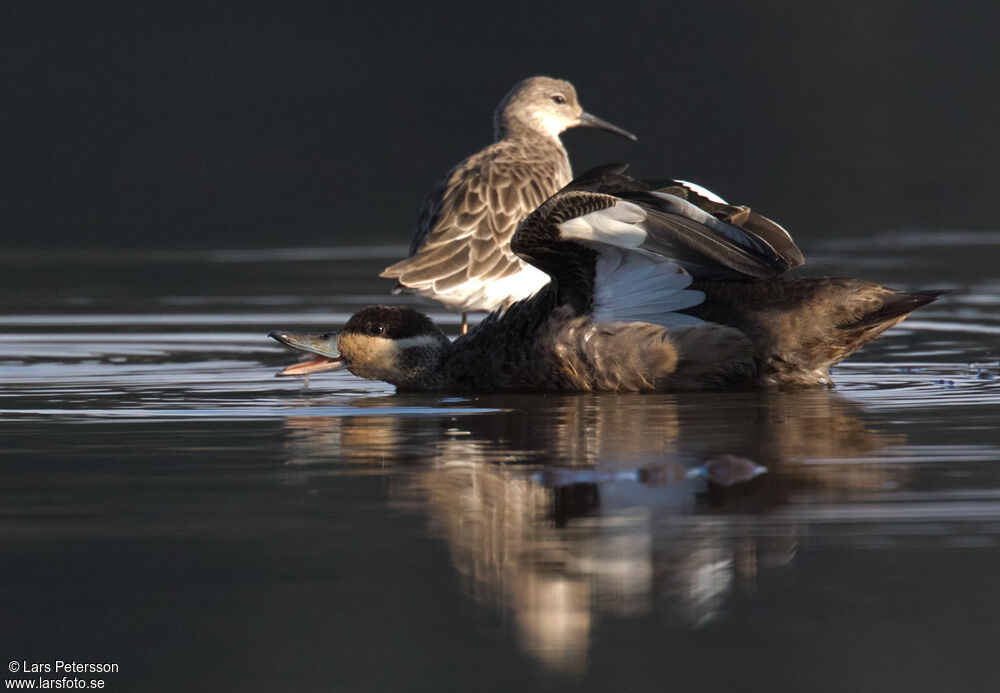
316,365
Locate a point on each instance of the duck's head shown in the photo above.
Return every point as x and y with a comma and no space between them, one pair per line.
547,106
397,345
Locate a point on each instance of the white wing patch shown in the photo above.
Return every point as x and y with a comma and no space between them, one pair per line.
684,207
636,286
704,192
619,226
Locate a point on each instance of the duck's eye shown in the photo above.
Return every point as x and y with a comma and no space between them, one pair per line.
325,336
559,99
376,329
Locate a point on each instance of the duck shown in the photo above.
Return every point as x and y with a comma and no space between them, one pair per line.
647,291
460,254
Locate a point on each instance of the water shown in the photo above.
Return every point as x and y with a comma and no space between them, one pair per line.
169,505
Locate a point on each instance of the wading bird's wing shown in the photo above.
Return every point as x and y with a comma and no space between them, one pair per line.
465,229
633,259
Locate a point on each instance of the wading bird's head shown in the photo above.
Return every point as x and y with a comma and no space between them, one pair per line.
397,345
546,106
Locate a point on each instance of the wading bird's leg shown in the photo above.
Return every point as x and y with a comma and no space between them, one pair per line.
465,323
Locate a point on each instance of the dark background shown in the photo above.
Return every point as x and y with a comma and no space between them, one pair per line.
274,124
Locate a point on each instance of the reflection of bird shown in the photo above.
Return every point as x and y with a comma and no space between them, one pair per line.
460,254
648,292
558,561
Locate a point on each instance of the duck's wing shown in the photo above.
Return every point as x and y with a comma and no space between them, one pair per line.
668,226
465,228
633,259
736,215
612,180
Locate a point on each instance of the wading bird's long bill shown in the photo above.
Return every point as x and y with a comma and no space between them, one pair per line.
589,120
324,346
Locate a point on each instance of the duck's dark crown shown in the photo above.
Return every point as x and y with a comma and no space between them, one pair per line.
391,322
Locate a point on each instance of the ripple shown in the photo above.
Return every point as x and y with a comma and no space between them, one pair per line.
258,411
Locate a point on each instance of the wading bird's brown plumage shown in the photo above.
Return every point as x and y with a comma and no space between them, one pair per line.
648,292
460,254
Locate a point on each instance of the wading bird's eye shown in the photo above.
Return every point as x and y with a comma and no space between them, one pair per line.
559,99
376,329
325,336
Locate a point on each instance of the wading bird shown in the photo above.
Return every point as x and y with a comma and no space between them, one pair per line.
460,254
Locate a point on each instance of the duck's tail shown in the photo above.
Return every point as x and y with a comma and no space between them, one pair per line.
800,327
895,307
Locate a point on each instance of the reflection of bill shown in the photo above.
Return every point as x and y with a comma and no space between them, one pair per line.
559,511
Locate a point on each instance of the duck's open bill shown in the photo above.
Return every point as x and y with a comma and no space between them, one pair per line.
323,345
316,365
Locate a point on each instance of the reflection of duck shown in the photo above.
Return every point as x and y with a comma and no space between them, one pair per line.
556,561
648,292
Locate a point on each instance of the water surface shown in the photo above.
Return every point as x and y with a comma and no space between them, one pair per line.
171,506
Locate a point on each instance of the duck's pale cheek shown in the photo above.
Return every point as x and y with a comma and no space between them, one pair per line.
365,371
372,370
374,358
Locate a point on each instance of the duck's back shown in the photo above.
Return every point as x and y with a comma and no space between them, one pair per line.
539,345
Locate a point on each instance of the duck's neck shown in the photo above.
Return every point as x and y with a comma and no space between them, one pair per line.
494,354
